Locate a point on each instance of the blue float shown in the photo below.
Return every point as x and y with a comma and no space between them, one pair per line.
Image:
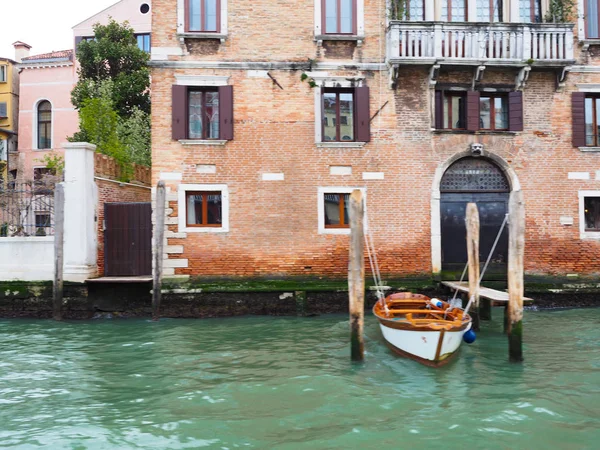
469,337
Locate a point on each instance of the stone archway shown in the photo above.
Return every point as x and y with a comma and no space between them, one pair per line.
486,180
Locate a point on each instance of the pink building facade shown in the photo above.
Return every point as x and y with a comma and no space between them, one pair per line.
46,115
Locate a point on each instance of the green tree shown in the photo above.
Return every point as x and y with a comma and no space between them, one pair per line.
113,55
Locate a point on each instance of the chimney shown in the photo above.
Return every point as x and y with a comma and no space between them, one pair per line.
21,50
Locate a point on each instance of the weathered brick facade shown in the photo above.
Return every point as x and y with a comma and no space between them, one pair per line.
273,222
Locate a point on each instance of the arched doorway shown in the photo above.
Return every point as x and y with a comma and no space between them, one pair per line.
480,181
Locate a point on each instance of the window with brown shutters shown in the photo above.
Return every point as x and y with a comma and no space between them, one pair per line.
475,111
346,114
202,113
586,119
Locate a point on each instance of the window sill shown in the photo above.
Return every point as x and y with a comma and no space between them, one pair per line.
589,149
338,231
590,235
204,230
587,42
319,38
340,144
504,132
202,142
200,35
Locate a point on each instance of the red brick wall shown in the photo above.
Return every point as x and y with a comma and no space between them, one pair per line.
111,190
273,224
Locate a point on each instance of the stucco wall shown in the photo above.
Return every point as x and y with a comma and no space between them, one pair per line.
27,258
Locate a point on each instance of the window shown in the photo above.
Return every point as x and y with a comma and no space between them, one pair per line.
202,113
415,10
44,127
489,10
530,10
454,10
474,110
592,121
493,112
3,73
203,208
203,15
338,103
336,210
592,19
339,16
3,110
3,149
591,209
333,206
42,224
454,111
143,41
42,180
589,214
144,8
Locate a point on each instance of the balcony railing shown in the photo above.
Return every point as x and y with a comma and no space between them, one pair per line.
464,43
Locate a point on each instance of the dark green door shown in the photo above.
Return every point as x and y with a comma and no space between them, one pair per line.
483,183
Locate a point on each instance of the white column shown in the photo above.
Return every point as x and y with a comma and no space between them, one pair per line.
514,11
81,200
429,11
472,10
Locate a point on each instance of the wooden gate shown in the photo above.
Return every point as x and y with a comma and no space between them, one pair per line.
127,239
483,183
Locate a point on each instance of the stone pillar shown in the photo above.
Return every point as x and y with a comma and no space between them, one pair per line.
81,202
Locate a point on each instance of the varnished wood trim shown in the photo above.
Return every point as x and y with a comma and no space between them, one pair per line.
439,346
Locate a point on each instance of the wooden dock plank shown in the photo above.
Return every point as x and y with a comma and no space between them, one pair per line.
495,296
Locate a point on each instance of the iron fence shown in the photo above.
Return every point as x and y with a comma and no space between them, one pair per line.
26,208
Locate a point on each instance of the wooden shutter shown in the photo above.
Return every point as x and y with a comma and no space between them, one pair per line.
179,112
226,112
363,115
515,111
578,114
439,110
472,110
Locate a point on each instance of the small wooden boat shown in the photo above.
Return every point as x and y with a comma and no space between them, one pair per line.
426,330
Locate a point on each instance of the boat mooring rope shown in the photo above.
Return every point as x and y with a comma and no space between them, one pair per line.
374,264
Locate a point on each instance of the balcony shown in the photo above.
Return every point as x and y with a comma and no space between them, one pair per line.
495,44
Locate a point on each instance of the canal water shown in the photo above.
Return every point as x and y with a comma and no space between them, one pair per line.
287,383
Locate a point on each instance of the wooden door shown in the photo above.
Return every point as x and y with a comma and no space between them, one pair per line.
127,239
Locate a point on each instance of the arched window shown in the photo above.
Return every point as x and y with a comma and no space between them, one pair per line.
44,125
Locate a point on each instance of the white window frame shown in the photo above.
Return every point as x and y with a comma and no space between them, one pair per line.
3,73
182,207
34,144
222,34
360,24
321,207
582,233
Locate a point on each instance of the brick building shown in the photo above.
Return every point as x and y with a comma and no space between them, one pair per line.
265,115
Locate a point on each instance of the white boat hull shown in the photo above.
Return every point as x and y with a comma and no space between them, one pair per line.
425,345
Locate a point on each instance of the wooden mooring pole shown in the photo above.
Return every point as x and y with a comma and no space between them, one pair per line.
59,238
516,251
159,237
356,276
473,260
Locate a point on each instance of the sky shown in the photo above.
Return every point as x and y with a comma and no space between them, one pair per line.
43,24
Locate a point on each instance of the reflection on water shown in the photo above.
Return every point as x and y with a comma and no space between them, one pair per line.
287,383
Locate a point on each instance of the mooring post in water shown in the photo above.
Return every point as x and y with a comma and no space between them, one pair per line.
356,275
473,259
516,252
59,238
159,236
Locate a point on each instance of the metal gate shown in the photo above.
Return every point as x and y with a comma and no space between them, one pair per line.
482,182
127,239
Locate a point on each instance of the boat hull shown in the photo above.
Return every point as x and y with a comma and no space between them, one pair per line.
429,347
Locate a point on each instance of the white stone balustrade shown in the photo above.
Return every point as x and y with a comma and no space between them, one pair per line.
476,43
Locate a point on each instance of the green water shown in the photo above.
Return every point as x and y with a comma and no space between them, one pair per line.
287,383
